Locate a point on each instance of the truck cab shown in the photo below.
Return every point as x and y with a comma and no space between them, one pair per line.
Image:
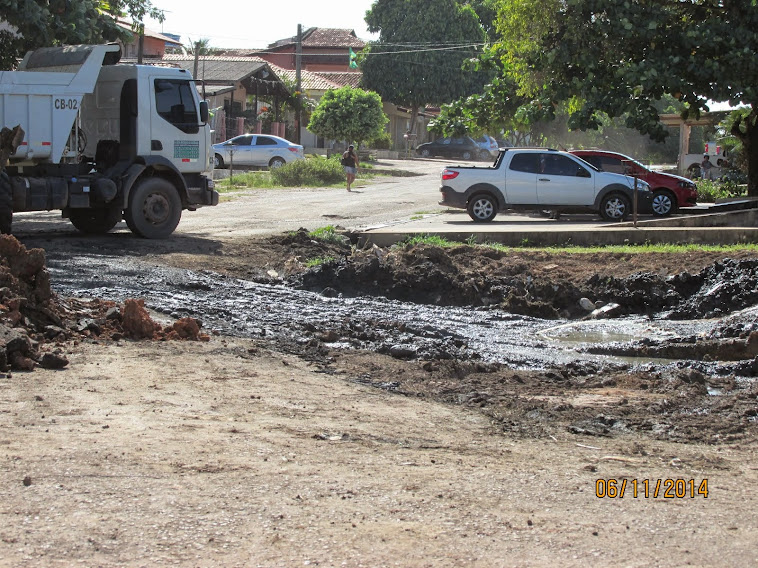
105,141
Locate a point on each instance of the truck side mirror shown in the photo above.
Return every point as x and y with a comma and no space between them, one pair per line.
204,112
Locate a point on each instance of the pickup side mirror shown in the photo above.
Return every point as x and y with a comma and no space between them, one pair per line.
204,112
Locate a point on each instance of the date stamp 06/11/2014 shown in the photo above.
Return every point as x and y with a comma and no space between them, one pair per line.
651,488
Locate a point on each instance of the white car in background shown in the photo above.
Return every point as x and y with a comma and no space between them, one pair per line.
264,150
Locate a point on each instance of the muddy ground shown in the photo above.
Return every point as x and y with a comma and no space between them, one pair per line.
497,463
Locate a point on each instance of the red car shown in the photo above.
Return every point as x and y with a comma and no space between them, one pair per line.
670,192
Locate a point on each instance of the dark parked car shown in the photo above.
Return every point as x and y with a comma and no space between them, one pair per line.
670,192
464,148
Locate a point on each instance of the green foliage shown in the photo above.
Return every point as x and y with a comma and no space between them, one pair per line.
424,239
318,261
419,58
328,234
314,171
45,23
620,57
349,114
710,191
381,142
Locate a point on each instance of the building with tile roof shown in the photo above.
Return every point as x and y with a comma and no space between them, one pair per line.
323,49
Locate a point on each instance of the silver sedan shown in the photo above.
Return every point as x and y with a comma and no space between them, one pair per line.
263,150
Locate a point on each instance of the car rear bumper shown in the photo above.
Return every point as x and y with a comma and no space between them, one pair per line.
452,198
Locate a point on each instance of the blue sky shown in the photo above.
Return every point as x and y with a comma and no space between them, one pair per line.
255,24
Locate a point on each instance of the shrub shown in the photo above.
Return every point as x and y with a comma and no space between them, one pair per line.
710,191
314,171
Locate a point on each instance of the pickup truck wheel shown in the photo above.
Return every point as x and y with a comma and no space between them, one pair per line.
664,203
154,209
218,161
95,221
482,208
6,204
614,207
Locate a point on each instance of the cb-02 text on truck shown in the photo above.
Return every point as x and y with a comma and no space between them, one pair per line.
104,141
541,179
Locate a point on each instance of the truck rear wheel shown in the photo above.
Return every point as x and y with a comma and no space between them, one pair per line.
6,204
482,208
95,221
154,209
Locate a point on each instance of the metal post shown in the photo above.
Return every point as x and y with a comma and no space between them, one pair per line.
634,207
298,85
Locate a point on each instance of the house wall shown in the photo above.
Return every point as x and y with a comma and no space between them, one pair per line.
313,59
152,47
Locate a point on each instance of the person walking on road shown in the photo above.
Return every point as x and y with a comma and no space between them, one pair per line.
350,162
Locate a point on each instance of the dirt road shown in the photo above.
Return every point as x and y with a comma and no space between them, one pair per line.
247,452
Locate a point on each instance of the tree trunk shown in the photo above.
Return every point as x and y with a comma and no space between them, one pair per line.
414,115
746,130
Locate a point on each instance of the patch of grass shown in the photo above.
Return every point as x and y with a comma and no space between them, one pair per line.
318,261
244,180
666,248
431,240
327,234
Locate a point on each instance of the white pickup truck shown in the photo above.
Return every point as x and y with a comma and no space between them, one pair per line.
541,179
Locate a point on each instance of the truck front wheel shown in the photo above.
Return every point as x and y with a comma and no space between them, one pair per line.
482,208
6,204
95,221
154,209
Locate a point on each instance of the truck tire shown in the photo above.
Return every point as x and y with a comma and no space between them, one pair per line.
95,221
6,204
154,209
482,208
614,207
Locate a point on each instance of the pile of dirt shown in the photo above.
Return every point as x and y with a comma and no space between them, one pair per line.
35,323
542,284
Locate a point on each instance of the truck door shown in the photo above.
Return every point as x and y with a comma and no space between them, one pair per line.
521,179
563,181
176,132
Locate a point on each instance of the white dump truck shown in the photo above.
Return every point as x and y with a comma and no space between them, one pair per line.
104,141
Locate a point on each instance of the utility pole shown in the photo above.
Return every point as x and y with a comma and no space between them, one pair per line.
197,57
141,43
298,85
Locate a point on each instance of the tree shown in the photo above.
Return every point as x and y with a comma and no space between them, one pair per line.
620,57
419,59
348,114
44,23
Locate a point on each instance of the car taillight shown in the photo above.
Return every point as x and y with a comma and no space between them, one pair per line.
296,150
449,174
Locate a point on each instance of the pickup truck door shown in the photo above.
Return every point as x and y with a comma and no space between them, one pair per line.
564,181
521,179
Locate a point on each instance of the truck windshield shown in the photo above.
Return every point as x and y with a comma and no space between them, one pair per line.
175,103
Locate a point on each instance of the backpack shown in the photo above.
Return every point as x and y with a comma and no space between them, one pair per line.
343,161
